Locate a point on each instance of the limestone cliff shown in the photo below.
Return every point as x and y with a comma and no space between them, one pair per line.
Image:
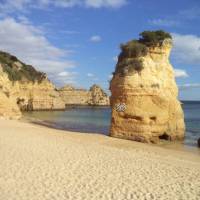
8,106
22,88
94,96
25,88
37,96
144,93
97,96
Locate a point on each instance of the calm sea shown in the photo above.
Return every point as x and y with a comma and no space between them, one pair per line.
97,120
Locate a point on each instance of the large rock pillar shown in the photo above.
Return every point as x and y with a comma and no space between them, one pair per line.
144,95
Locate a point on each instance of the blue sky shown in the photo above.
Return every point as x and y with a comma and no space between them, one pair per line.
76,41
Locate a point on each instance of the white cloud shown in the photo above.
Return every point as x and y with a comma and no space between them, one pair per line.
67,74
21,5
179,18
66,77
95,38
179,73
186,48
164,22
115,58
105,3
30,45
110,77
190,13
189,86
90,75
69,32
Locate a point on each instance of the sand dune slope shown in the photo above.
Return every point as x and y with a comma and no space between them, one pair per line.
38,163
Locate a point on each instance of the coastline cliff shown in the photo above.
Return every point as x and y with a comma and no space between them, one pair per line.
144,100
23,88
27,87
95,96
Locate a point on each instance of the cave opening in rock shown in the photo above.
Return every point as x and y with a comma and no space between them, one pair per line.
164,137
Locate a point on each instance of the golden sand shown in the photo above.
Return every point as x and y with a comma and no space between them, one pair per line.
39,163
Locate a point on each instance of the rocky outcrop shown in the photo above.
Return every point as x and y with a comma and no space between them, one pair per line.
72,96
24,88
37,96
95,96
144,100
8,106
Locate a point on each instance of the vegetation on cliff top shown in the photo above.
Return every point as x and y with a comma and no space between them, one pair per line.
18,71
151,38
135,48
128,59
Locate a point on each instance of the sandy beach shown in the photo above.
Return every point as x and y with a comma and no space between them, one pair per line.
39,163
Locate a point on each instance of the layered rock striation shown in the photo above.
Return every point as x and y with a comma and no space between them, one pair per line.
94,96
37,96
22,88
144,100
8,106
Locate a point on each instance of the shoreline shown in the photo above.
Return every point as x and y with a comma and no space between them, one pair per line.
174,145
67,106
37,162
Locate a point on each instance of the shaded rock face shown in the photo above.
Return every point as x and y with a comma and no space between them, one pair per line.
144,100
94,96
198,142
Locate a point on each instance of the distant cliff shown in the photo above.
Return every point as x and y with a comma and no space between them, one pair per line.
94,96
23,88
144,100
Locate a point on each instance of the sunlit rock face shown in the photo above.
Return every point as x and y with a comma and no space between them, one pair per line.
23,88
37,96
8,106
94,97
144,95
98,97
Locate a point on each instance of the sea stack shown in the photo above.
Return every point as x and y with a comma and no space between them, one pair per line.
144,93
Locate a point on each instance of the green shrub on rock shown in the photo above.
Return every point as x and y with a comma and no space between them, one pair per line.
133,49
154,37
129,59
17,70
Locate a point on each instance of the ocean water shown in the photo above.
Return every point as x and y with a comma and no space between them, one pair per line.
192,121
97,120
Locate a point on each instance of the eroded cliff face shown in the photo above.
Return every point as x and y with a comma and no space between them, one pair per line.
28,96
94,96
37,96
144,100
22,88
8,106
